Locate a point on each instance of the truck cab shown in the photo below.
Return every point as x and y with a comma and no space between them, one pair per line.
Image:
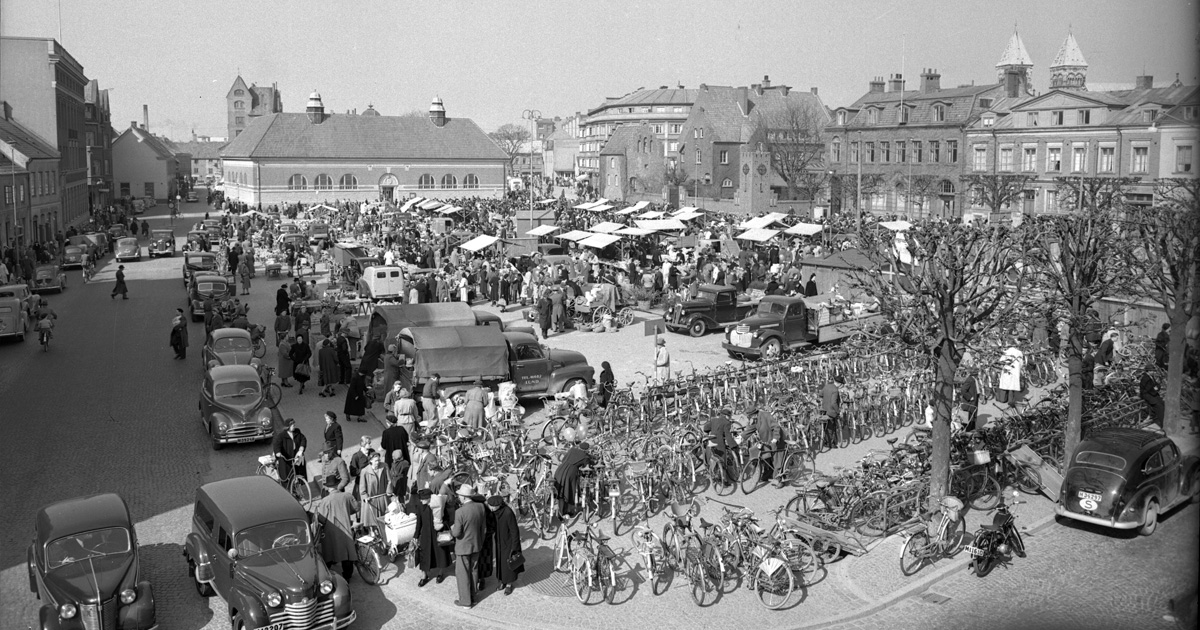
782,324
715,306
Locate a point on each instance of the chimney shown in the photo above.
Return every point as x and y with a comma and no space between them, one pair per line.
783,89
896,83
7,110
146,117
813,90
931,81
133,124
315,108
437,112
875,86
1144,82
743,97
758,88
766,82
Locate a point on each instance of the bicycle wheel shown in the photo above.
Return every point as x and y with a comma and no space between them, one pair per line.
841,432
272,394
299,489
607,575
714,563
724,479
913,554
751,475
793,468
985,489
660,575
800,557
260,348
826,550
369,563
703,589
773,583
581,577
954,538
1027,479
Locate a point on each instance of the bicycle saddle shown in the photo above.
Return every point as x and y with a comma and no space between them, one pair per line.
465,434
892,441
704,524
681,511
823,483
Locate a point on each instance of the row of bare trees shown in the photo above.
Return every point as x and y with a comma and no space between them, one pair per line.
969,285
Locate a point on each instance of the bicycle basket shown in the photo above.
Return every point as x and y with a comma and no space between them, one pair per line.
952,507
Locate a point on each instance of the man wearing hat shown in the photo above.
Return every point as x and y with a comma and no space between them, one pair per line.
334,510
333,468
468,532
662,362
179,334
722,444
395,438
566,476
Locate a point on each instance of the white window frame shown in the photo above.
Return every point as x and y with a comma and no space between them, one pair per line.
724,157
1144,166
1051,151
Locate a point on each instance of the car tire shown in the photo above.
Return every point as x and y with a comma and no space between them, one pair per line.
771,349
1149,518
202,589
697,328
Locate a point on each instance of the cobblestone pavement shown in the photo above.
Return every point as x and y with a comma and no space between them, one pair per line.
108,410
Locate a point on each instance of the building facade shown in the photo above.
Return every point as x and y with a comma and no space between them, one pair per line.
315,156
32,186
205,159
1144,132
246,102
45,85
143,165
632,163
98,139
664,109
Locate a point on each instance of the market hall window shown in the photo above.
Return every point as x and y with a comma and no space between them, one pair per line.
297,182
348,182
449,181
471,181
323,182
425,182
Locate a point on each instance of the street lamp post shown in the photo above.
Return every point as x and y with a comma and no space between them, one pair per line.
532,115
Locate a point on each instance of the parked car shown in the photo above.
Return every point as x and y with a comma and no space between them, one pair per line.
14,319
1126,478
251,544
49,278
198,262
318,231
74,256
22,293
117,232
228,346
382,283
191,196
781,324
84,566
714,307
162,243
289,228
203,287
128,248
233,408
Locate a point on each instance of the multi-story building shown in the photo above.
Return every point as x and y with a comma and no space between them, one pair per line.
143,165
314,156
561,148
1143,132
245,102
98,139
631,163
206,158
44,85
664,109
37,197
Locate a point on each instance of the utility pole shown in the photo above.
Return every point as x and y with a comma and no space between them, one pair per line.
532,115
858,204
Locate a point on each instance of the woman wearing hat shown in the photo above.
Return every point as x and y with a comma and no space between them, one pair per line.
373,484
475,399
505,542
662,362
432,558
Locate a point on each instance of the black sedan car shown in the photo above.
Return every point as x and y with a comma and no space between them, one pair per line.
1125,478
83,565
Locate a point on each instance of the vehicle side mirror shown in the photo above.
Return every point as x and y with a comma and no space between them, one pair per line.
233,554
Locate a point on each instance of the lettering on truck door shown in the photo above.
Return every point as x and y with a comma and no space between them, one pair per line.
531,369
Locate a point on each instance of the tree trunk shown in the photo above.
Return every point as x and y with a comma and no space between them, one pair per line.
1073,429
943,396
1175,417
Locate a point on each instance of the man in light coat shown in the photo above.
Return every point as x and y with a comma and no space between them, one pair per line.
335,510
468,532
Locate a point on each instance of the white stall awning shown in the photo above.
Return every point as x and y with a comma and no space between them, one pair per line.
650,214
449,209
661,224
634,231
599,241
760,235
429,204
684,210
804,229
688,216
479,242
410,203
542,230
546,202
763,221
608,227
600,208
585,205
896,226
575,235
634,208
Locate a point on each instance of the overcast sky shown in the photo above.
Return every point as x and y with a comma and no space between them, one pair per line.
489,60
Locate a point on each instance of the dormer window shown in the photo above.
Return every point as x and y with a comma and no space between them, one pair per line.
904,115
841,118
988,121
872,116
939,113
1149,115
985,103
239,92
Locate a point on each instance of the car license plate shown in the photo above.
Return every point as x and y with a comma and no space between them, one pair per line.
244,440
1089,496
973,551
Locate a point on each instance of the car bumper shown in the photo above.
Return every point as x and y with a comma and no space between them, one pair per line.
1095,520
750,351
249,439
71,264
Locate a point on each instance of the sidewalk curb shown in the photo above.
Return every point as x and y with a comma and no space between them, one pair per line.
933,578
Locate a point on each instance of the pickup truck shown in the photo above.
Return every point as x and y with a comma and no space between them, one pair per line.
715,306
460,354
789,323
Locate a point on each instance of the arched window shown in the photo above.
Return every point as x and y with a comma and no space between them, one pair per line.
239,104
297,182
348,182
323,182
449,181
239,92
727,183
425,182
947,187
471,181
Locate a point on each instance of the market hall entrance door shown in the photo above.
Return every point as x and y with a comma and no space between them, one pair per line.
387,186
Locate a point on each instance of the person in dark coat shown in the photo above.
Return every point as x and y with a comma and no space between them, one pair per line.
343,357
301,354
432,558
968,393
289,446
372,354
118,289
543,307
333,432
810,287
395,438
566,476
356,399
1149,393
608,383
1162,342
179,334
505,541
721,439
283,301
327,365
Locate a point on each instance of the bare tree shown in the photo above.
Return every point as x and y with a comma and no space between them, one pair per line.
1076,268
414,113
674,174
921,188
793,134
1167,252
963,283
510,138
998,192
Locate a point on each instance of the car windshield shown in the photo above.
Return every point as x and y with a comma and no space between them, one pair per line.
45,273
706,295
207,288
255,540
157,234
231,343
235,389
770,308
1102,460
93,544
127,242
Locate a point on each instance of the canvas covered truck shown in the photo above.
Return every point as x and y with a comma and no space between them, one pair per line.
781,324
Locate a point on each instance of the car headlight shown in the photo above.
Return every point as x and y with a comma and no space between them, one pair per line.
264,418
128,595
223,422
326,587
274,600
67,611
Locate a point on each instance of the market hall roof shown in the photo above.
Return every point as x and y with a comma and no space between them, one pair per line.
343,136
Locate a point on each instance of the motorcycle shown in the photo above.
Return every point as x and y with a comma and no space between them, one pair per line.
997,541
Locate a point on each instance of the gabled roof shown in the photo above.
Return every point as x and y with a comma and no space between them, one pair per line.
1014,54
237,83
201,150
720,111
28,143
141,136
962,104
341,136
1069,54
624,138
660,96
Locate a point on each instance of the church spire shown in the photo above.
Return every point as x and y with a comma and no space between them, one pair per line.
1069,70
1014,54
1015,68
